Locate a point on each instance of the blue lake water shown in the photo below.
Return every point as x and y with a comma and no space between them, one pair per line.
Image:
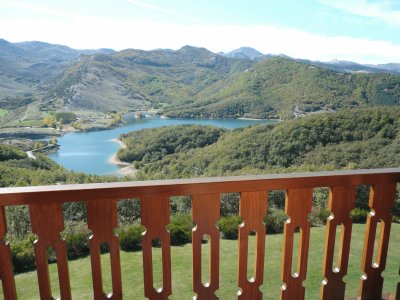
90,152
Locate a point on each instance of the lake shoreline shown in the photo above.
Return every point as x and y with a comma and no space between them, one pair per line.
76,147
126,168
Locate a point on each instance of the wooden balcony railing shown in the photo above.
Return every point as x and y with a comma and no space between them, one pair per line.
45,205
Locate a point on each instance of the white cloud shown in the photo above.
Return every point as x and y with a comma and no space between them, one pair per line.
89,32
381,11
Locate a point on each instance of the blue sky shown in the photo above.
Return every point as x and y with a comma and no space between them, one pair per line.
358,30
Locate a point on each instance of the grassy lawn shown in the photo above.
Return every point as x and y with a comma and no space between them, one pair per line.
131,263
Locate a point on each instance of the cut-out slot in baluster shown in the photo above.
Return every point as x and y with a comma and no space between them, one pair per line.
205,260
380,228
251,260
55,286
157,265
338,248
106,271
296,252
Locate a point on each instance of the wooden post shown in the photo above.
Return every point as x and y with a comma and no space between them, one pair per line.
102,220
205,212
47,223
297,207
381,201
155,217
6,267
341,202
253,208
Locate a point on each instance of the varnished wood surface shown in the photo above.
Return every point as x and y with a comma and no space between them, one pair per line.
127,190
155,217
252,209
341,202
102,220
6,268
47,222
205,212
381,201
297,207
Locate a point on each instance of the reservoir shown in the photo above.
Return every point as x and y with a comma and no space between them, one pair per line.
90,152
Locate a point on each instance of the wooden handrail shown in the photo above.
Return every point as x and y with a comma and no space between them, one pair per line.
45,204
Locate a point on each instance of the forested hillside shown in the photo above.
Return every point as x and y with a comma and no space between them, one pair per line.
16,169
363,138
193,82
38,79
278,87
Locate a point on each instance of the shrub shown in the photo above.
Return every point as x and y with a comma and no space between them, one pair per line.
229,226
275,220
229,204
77,244
359,215
23,255
130,237
180,229
318,216
76,236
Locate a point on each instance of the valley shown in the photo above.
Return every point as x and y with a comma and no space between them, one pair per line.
38,80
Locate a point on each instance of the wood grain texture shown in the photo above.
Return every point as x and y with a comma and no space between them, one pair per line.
47,222
102,220
129,190
341,202
297,206
6,267
205,214
380,201
252,209
155,217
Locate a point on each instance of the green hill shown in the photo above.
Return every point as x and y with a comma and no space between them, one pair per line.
38,78
136,79
194,82
282,87
358,138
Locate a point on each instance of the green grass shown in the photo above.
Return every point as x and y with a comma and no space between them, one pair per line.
131,264
3,112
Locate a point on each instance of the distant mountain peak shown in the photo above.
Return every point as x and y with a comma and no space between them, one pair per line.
244,52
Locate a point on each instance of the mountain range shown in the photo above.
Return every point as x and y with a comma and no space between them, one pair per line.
190,82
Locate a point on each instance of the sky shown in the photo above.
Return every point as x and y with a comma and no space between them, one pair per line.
357,30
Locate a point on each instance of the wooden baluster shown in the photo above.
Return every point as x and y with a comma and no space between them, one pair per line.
381,201
102,220
205,212
297,206
341,202
253,208
6,267
47,223
155,217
